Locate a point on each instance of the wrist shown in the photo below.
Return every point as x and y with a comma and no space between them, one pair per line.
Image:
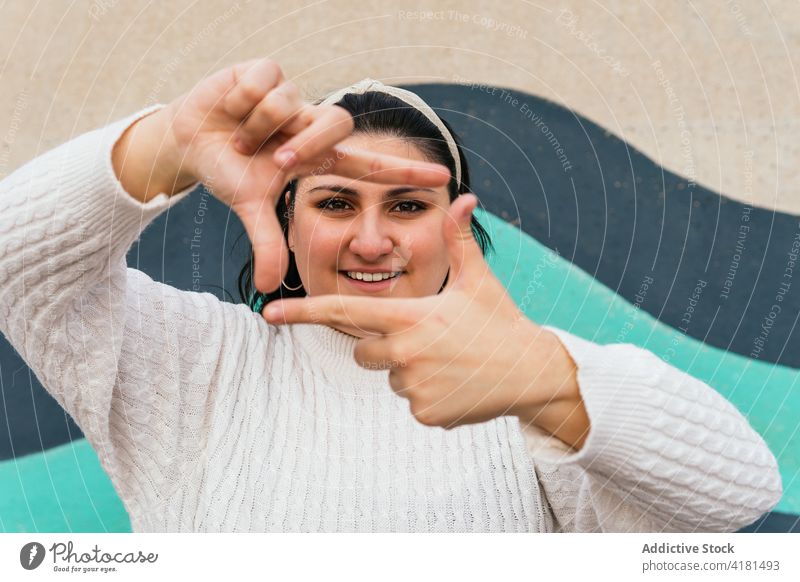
546,372
549,396
171,172
148,160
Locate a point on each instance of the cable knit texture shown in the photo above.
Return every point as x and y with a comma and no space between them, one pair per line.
206,418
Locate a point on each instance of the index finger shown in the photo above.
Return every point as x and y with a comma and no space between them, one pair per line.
381,315
386,169
252,81
317,146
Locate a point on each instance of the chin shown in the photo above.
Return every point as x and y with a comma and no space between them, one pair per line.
354,331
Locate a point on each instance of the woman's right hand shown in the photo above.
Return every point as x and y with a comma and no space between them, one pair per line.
229,132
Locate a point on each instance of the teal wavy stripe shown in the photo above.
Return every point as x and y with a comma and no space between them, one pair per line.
63,489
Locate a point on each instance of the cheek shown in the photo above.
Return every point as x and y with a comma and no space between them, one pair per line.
316,244
316,251
425,247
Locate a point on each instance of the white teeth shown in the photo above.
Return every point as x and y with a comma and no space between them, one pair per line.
371,277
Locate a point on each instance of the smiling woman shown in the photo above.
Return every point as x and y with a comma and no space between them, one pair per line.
423,401
375,224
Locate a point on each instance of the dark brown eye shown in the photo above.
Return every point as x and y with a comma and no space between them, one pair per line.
333,204
410,206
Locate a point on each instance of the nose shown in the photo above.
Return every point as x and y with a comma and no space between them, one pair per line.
371,239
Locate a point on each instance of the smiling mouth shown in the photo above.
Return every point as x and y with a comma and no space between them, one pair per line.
380,282
371,277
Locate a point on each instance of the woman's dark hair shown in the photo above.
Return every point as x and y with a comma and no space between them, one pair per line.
374,113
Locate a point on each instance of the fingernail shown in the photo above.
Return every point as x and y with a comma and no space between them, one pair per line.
285,158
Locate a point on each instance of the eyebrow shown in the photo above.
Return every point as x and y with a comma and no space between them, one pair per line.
349,191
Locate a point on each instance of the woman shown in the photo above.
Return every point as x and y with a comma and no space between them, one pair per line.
328,414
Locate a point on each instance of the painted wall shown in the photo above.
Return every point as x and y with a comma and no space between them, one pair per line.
678,120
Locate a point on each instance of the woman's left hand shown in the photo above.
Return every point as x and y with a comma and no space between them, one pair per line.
465,355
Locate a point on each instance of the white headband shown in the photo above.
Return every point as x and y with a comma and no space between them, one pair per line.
412,99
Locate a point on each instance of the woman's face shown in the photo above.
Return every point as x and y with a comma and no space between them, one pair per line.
353,237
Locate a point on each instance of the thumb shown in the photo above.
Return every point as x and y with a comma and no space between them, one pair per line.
466,258
269,247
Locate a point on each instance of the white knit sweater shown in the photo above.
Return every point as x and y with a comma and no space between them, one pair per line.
206,418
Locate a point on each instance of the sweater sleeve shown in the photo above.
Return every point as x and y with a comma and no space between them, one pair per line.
665,451
133,361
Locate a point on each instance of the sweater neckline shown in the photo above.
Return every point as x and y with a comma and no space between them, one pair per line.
328,339
331,352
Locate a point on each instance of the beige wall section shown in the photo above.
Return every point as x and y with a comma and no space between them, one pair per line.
708,88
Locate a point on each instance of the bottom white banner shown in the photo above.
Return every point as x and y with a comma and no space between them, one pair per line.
399,556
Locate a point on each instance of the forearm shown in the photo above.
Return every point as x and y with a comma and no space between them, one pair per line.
566,420
147,161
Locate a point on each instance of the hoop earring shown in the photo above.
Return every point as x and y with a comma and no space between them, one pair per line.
292,288
291,250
